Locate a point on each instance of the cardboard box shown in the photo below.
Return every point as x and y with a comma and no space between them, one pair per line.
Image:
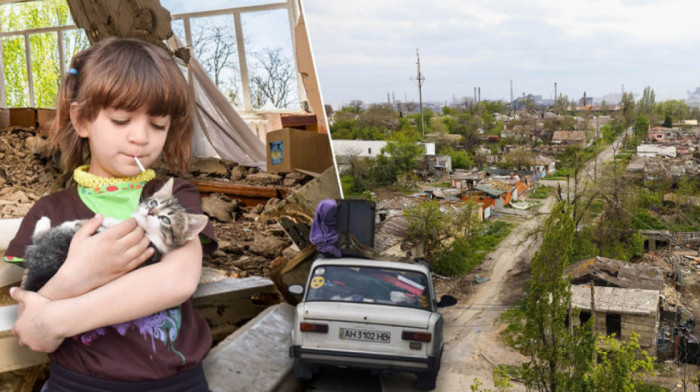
23,117
43,119
4,118
289,149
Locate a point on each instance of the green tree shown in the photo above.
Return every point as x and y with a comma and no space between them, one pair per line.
399,157
44,50
559,359
628,110
647,102
668,121
429,225
641,127
460,159
620,366
561,104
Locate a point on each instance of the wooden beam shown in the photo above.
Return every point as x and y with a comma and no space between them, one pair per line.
240,191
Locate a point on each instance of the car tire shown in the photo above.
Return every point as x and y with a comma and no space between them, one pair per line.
303,371
426,381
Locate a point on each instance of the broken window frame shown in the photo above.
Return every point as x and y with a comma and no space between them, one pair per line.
59,30
235,13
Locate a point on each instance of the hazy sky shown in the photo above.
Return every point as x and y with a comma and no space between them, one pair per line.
366,48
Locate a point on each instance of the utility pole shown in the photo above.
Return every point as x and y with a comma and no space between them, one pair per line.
511,95
421,78
479,100
475,101
555,90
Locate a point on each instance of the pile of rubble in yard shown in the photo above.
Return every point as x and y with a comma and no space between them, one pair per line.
248,240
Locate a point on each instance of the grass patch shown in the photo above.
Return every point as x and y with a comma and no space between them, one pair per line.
595,208
515,318
462,255
644,387
541,192
347,183
445,184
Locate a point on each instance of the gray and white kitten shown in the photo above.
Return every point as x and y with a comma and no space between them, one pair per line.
161,216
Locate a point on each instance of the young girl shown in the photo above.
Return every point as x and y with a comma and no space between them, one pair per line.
107,325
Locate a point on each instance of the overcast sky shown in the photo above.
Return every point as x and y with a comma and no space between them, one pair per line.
366,48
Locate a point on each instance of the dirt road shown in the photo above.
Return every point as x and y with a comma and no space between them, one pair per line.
472,345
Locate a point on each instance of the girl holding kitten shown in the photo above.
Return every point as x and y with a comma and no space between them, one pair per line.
107,325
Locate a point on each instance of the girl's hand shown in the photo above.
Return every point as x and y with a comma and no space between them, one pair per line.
94,260
33,324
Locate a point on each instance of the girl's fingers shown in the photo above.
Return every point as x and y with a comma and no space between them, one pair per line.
90,227
132,238
122,229
145,255
137,250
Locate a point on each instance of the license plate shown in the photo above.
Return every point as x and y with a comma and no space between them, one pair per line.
364,335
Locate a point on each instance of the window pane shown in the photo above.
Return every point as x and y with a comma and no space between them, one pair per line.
214,46
15,72
34,14
270,58
45,71
180,7
73,42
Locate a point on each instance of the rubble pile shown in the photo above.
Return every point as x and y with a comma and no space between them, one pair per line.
248,241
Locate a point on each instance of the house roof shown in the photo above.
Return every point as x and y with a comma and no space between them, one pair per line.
615,273
489,190
578,136
616,300
467,175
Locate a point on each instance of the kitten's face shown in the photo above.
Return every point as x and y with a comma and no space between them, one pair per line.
165,221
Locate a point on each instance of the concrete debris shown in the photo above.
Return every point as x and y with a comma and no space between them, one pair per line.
263,179
211,167
269,335
219,207
238,173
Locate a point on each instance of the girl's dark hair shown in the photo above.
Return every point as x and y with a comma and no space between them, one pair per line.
123,74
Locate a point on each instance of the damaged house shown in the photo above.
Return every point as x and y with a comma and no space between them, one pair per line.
627,297
620,311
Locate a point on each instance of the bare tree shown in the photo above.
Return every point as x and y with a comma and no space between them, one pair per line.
273,81
214,46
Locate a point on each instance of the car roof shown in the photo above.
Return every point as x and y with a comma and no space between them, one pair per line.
351,261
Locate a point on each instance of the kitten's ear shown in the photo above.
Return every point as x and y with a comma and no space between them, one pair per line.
167,189
195,224
40,227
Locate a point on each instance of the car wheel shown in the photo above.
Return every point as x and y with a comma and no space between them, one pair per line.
302,370
426,381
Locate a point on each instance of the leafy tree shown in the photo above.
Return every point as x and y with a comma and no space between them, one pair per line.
44,50
561,104
668,121
466,220
641,127
628,109
620,366
559,359
399,157
356,106
647,102
460,159
381,116
429,225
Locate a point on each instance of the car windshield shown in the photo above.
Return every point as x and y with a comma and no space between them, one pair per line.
370,285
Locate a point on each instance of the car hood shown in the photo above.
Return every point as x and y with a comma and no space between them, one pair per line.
366,313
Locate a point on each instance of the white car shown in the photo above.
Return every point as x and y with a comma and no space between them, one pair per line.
369,314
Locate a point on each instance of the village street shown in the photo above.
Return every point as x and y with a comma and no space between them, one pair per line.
471,331
472,345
